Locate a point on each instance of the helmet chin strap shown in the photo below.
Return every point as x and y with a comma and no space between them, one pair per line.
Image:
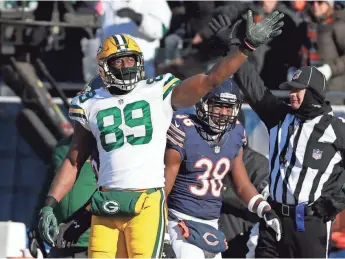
214,128
125,80
207,133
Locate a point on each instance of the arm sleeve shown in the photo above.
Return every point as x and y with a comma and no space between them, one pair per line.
60,153
169,83
176,137
268,107
155,24
77,112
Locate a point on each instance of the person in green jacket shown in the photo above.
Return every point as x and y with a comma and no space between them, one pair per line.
82,190
72,208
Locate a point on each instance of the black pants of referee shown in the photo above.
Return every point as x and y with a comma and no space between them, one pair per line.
313,242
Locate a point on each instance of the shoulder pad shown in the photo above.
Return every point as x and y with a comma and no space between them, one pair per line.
82,99
184,119
96,83
167,82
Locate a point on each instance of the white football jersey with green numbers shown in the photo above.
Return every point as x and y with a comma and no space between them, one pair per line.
130,131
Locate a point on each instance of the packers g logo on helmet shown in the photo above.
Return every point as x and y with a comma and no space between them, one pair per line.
117,46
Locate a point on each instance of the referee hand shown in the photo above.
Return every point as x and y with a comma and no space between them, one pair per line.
272,220
224,30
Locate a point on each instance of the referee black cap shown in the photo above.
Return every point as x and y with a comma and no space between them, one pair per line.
306,77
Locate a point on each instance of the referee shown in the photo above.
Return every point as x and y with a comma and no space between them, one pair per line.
306,152
306,149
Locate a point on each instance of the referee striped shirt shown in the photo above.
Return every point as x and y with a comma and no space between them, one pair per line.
312,160
305,158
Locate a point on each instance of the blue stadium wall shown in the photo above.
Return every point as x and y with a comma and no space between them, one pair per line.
21,171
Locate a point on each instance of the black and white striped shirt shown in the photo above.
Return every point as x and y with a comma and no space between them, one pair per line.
305,159
312,159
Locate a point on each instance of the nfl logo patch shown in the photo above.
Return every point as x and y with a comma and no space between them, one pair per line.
317,154
217,149
297,74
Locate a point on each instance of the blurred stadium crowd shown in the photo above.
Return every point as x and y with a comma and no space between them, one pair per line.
313,35
54,43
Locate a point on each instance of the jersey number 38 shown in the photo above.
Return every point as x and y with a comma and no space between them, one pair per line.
211,179
109,122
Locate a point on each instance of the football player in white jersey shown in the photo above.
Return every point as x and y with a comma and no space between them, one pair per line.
129,119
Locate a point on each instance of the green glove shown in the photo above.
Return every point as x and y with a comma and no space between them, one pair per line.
47,225
261,32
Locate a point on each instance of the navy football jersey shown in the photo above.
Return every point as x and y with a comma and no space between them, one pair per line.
198,185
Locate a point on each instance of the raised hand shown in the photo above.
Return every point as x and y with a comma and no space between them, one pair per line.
261,32
224,30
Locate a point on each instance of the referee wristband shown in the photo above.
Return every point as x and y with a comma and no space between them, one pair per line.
50,201
261,207
253,200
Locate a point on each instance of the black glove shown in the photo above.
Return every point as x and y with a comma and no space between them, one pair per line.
130,13
35,243
261,32
221,27
70,232
272,220
327,207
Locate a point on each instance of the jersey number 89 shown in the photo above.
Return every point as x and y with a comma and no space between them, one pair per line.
109,121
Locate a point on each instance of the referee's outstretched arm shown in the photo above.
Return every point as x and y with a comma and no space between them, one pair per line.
268,107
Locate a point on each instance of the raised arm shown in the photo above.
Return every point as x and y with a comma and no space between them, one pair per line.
265,104
269,108
192,89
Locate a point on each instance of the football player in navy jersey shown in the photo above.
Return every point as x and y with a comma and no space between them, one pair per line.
201,150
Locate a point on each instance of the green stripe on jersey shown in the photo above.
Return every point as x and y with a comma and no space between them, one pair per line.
168,80
74,106
76,115
169,89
